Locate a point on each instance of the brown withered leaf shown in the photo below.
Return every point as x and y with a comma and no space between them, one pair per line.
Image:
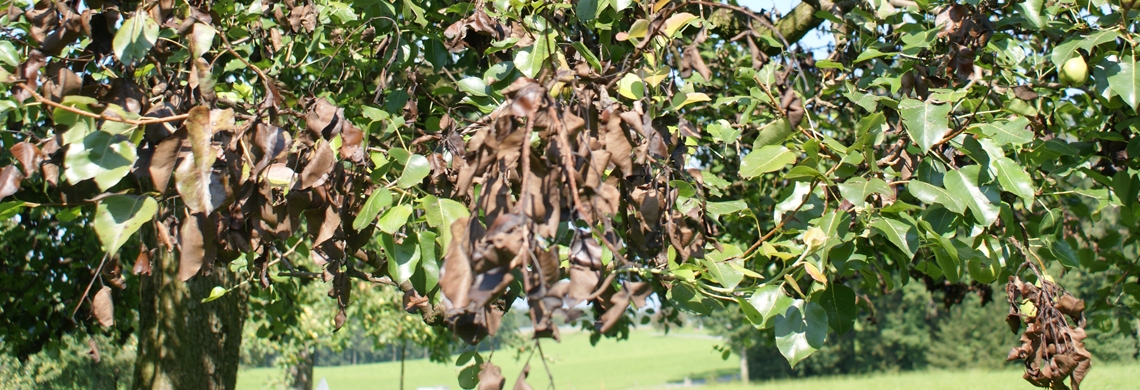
1071,306
198,247
164,159
1024,92
618,302
352,140
490,285
323,223
29,70
639,292
491,377
520,384
203,189
142,262
103,308
950,19
455,278
62,82
93,350
324,119
320,165
271,144
157,132
29,156
204,77
583,282
10,178
617,143
548,265
792,105
585,251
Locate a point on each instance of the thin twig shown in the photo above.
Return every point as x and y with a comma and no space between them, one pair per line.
137,122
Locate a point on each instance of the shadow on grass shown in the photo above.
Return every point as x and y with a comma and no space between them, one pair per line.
722,375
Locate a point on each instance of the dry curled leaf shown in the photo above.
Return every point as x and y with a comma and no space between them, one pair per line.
103,308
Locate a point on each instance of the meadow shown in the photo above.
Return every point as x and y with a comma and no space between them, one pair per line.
652,360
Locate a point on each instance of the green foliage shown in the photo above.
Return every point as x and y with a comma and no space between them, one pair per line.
482,152
73,365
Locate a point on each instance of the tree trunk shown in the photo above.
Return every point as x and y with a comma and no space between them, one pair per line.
744,365
403,348
184,343
302,372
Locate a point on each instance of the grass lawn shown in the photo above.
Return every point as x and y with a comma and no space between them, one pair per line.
1101,377
645,360
649,360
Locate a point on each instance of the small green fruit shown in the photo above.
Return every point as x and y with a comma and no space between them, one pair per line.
1075,72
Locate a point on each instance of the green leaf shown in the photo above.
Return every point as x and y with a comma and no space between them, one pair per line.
801,330
723,132
949,263
1014,179
429,262
586,53
586,10
1068,49
856,189
10,209
964,185
1064,253
344,14
394,218
1125,80
638,29
529,60
692,97
102,156
215,293
869,54
474,86
676,22
415,170
621,5
135,38
379,199
773,134
118,217
403,258
839,301
65,215
720,271
926,122
900,233
1008,132
8,54
929,193
441,213
717,209
769,301
631,87
78,126
770,158
1030,11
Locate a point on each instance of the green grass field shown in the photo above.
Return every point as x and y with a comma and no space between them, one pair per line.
649,360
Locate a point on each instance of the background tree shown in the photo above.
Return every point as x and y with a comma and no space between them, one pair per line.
591,151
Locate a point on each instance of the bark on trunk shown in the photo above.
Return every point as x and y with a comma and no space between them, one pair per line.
184,343
744,365
302,372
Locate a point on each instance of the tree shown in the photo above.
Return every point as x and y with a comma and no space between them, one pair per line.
581,151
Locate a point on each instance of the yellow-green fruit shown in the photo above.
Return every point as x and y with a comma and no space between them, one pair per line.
1075,72
1028,308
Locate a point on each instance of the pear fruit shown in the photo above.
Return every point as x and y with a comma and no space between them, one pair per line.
1074,72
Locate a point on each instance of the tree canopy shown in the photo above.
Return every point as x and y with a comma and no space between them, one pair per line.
565,152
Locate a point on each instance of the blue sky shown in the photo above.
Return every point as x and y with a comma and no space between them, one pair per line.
813,40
